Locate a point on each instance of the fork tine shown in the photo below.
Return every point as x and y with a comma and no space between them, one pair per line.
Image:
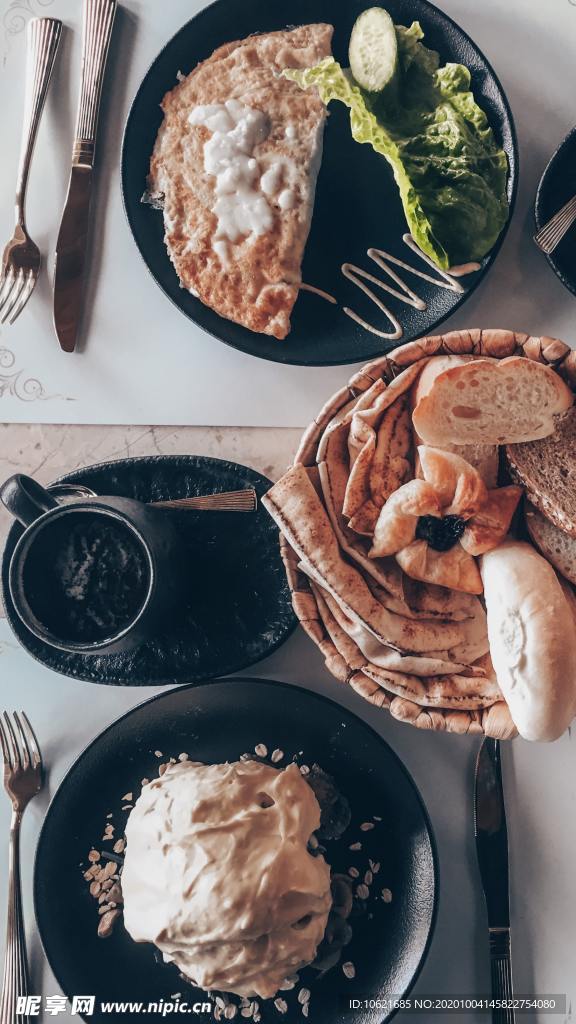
6,286
554,230
25,295
25,757
5,748
12,298
552,225
33,744
12,744
557,224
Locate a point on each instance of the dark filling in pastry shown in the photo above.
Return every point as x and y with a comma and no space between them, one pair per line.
440,534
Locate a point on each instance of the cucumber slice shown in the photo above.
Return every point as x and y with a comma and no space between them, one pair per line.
373,51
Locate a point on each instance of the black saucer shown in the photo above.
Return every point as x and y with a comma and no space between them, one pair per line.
557,186
215,723
240,612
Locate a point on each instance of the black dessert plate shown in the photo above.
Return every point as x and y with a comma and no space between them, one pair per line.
239,612
214,723
357,203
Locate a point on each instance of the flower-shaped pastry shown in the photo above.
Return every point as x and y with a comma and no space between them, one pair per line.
436,524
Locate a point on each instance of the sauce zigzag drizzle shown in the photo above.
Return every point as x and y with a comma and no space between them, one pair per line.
406,295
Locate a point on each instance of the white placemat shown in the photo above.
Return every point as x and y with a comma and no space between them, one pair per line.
142,361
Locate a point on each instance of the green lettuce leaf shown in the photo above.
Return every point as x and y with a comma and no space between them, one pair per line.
450,173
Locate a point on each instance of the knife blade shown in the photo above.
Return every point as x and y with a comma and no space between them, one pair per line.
71,257
71,263
492,850
491,834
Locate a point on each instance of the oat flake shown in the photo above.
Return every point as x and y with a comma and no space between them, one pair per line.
261,749
349,969
281,1005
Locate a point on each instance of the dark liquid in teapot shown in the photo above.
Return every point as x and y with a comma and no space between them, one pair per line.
86,577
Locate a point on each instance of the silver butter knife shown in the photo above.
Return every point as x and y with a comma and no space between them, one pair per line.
492,849
70,268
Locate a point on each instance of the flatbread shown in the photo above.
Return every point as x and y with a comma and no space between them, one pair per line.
295,506
433,663
333,467
427,681
256,282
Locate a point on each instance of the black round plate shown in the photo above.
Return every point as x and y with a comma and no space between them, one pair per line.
215,723
557,186
245,611
357,203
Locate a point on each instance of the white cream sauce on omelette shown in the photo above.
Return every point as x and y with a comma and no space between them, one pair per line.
243,189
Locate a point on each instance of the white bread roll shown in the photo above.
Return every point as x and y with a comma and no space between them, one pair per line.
483,457
532,635
491,402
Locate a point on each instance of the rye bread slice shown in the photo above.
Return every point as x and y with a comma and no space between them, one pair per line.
547,470
556,545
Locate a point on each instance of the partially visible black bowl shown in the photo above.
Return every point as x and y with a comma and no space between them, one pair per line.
557,186
216,722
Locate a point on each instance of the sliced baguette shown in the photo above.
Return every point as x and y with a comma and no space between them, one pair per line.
558,548
492,402
483,457
547,470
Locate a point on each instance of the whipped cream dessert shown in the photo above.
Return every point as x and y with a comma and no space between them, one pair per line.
217,874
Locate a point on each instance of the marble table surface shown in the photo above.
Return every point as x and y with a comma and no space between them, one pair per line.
528,43
539,779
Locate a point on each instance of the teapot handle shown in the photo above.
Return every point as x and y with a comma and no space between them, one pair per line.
26,499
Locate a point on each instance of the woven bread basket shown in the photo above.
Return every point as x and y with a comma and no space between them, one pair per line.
494,720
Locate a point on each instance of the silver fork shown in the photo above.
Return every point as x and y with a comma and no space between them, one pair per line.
21,259
552,233
22,781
